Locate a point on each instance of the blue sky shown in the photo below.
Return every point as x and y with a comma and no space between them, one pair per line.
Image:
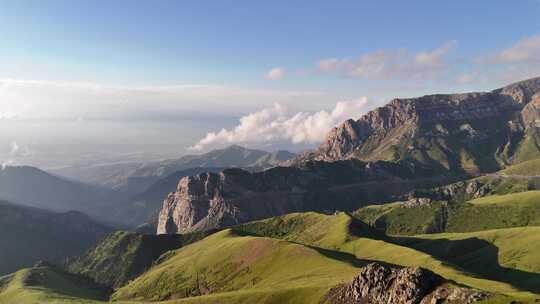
236,42
123,59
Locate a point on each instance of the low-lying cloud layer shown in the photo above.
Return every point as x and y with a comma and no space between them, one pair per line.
55,99
276,125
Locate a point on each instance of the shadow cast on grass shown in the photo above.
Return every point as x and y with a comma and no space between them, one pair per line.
475,256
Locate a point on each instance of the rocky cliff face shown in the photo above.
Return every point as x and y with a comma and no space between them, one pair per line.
378,284
233,196
473,132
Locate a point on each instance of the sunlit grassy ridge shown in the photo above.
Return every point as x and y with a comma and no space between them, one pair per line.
326,231
490,212
227,262
527,168
394,218
45,284
297,258
496,211
367,245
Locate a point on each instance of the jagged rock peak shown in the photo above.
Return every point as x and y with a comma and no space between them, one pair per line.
379,284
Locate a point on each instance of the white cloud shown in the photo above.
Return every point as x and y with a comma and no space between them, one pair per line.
8,115
276,73
399,63
15,152
525,50
14,149
465,79
55,99
275,125
328,65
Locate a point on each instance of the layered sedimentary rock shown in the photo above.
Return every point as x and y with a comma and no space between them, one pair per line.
233,196
472,132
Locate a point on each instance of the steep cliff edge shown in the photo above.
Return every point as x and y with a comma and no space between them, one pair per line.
233,196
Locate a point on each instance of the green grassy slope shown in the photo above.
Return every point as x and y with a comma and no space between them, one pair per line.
496,211
510,255
296,258
529,147
310,228
48,284
255,267
123,255
451,152
368,245
527,168
393,218
490,212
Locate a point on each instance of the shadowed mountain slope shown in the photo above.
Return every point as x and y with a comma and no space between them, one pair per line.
135,178
122,256
29,234
34,187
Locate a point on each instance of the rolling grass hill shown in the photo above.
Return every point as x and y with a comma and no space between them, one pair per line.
490,212
510,255
496,211
394,218
350,236
527,168
252,266
48,284
297,258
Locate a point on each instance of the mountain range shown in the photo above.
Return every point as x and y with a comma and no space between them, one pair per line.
29,234
471,132
380,157
133,203
424,200
136,178
31,186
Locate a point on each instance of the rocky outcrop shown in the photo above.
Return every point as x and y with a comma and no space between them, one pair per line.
530,115
445,130
415,202
378,284
234,196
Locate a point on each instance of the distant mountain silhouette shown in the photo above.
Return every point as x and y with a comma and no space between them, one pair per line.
136,178
34,187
